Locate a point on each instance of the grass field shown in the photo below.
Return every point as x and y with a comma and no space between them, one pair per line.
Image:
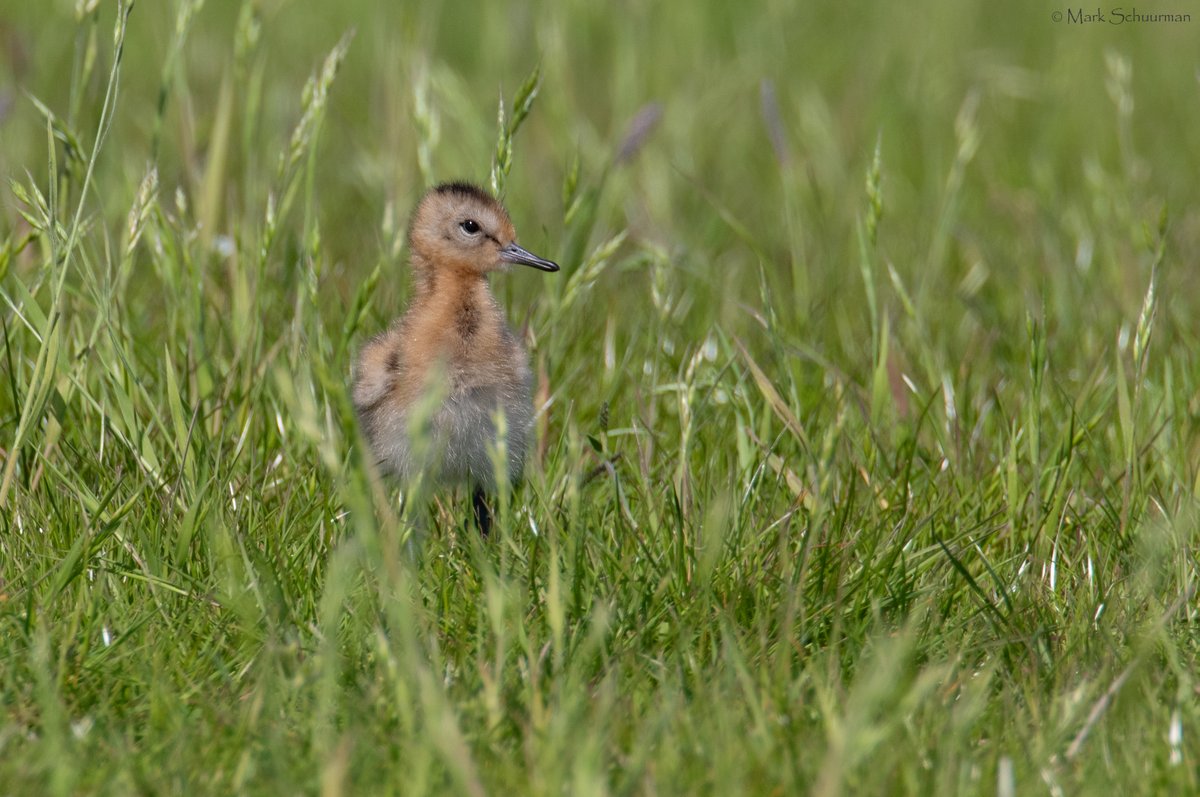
869,445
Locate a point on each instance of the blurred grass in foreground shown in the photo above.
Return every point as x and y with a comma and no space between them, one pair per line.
869,455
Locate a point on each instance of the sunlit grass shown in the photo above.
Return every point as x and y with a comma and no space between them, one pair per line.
868,443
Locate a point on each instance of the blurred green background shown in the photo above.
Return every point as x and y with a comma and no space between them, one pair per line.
844,76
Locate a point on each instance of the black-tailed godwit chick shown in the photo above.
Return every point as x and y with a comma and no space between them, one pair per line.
451,359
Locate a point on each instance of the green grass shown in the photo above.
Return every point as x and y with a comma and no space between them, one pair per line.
871,446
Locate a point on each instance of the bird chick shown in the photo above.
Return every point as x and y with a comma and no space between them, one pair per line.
453,343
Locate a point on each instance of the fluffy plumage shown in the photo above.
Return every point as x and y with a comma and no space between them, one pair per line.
451,358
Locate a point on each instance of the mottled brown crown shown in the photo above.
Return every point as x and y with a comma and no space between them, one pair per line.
465,189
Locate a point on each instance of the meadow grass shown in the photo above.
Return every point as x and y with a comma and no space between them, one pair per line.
869,435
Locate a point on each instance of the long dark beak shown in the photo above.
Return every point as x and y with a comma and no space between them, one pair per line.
515,254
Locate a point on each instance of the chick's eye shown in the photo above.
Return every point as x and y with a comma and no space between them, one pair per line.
470,226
